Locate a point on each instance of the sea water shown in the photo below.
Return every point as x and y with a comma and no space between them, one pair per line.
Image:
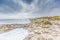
14,21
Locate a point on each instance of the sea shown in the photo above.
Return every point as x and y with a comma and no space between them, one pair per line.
14,21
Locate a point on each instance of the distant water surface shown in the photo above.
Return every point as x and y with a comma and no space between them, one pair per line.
14,21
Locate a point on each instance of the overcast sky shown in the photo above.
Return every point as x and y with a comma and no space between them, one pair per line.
17,9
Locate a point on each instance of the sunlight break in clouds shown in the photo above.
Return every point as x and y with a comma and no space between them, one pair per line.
18,9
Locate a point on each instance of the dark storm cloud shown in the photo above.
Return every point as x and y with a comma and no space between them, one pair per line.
28,1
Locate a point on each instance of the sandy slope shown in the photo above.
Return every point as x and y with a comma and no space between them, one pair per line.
16,34
47,28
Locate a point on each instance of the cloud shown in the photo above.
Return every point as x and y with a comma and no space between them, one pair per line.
17,9
9,6
28,1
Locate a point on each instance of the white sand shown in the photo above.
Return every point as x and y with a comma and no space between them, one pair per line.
16,34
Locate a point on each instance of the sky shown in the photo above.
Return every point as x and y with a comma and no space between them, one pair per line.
18,9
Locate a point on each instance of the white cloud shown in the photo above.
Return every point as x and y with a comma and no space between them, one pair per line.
35,9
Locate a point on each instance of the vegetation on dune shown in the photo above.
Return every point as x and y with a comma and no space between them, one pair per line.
49,18
45,20
44,28
54,18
